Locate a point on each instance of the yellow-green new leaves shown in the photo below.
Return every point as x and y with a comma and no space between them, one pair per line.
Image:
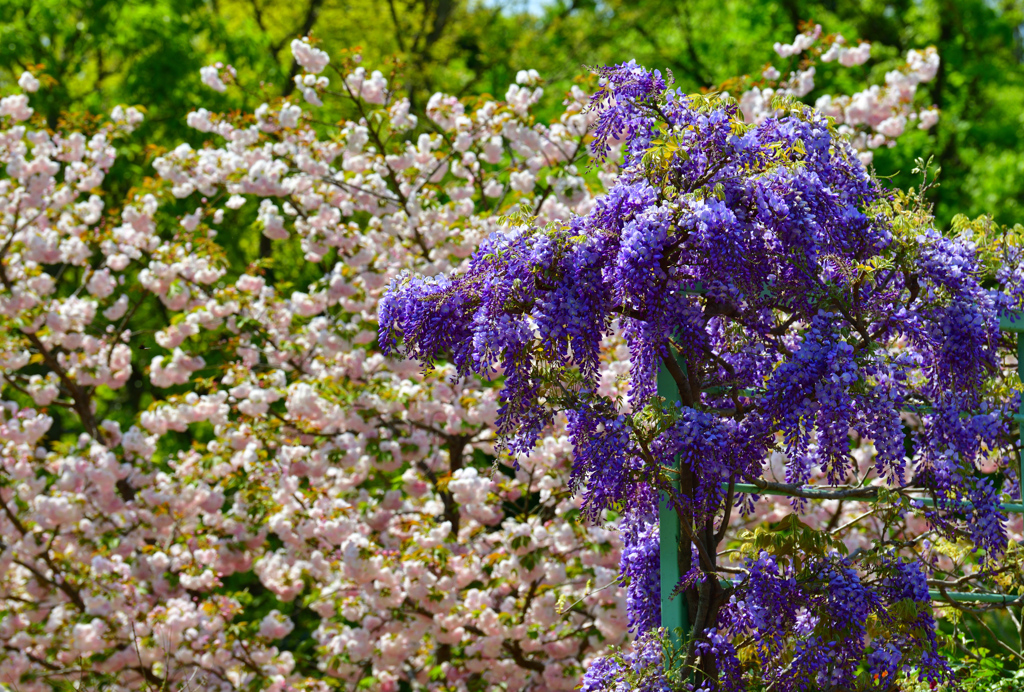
790,538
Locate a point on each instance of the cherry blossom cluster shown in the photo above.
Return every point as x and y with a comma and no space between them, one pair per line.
286,508
871,118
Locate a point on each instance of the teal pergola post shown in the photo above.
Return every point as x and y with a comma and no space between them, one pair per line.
1020,416
674,614
1016,324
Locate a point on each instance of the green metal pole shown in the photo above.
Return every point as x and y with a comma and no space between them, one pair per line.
1015,323
674,614
1020,425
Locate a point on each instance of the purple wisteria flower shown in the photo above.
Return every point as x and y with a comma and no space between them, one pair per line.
791,302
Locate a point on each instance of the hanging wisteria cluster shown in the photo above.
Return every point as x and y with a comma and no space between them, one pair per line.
795,305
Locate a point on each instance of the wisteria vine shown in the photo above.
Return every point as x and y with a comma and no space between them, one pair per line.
793,302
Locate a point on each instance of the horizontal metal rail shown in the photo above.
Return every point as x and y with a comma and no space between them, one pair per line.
1012,324
957,596
968,597
810,491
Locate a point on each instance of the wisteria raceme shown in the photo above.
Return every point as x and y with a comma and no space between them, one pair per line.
642,667
826,610
639,564
793,303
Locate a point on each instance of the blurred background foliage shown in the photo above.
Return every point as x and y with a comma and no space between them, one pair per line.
148,52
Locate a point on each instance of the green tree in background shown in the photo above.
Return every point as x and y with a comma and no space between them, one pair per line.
979,141
94,54
101,52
